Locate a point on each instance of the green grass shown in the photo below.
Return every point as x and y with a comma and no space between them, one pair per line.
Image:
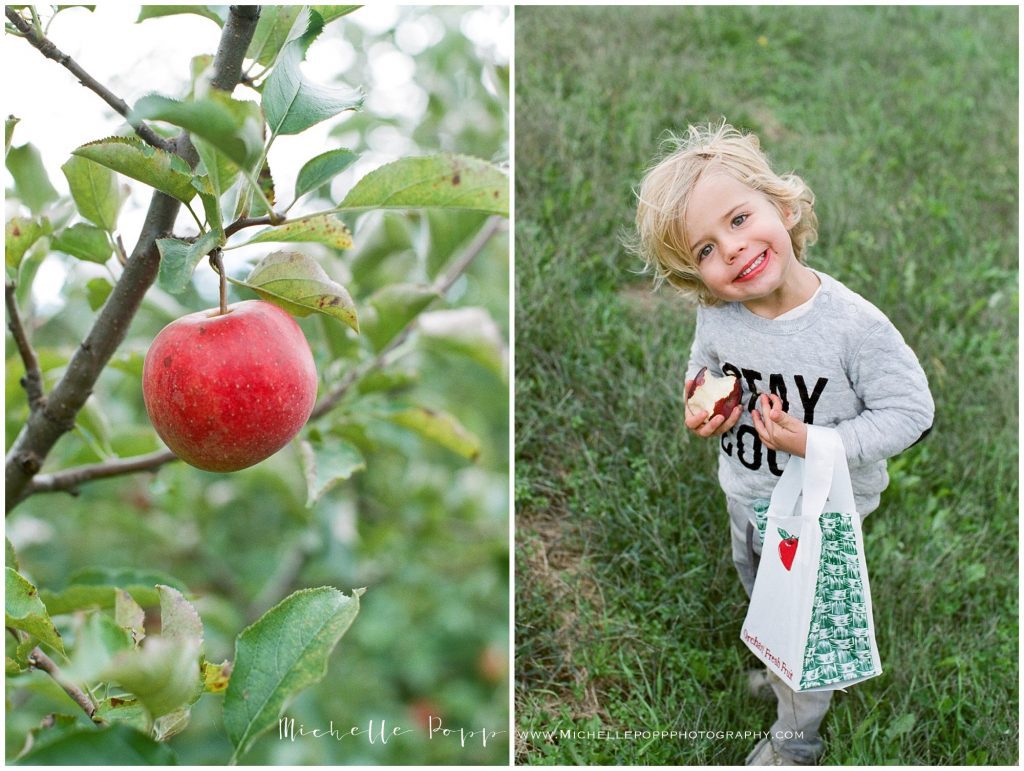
904,122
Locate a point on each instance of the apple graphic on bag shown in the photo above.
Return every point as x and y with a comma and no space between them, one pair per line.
787,548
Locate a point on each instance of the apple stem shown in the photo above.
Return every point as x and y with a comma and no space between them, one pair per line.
218,265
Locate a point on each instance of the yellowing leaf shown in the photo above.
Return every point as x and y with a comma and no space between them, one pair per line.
298,284
324,229
440,181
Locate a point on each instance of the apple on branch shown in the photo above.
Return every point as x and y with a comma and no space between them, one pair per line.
713,395
226,391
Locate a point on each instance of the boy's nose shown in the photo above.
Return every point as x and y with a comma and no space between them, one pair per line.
735,248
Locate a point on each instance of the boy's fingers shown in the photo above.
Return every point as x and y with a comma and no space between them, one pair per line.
731,420
763,431
711,427
694,420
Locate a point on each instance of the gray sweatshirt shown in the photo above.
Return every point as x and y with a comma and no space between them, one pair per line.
841,365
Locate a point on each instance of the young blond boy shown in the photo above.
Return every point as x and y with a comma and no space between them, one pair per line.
717,223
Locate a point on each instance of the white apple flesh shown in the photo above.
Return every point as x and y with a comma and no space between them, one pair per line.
713,395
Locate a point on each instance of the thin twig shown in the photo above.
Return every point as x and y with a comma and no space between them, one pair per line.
441,286
245,222
50,51
217,263
68,480
122,255
33,380
41,661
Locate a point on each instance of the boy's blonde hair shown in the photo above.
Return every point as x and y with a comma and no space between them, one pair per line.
665,192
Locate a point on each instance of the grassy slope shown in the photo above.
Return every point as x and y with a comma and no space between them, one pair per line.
903,120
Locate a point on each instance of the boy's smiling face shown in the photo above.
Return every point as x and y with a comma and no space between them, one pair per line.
741,244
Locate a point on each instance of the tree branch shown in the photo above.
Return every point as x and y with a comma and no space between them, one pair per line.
68,480
33,380
45,426
41,661
50,51
441,286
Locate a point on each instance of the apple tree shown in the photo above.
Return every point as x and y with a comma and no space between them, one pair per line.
159,613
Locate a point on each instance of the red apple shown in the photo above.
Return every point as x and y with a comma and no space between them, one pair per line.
713,395
225,391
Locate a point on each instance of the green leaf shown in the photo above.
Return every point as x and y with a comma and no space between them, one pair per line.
171,724
178,618
272,30
134,158
97,641
468,332
232,126
95,588
129,615
84,242
215,13
31,183
300,286
439,181
221,171
114,745
331,12
322,169
24,610
326,229
19,235
9,125
97,290
392,308
10,557
327,462
291,103
439,427
448,230
179,258
125,710
94,188
57,727
28,268
283,653
163,673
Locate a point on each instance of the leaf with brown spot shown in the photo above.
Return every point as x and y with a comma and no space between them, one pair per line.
298,284
326,229
438,181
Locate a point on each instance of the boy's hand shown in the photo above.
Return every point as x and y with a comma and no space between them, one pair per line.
777,429
717,425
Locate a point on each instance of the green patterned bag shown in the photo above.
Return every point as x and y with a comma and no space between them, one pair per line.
810,615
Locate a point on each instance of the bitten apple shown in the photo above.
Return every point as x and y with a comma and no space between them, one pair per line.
225,391
713,395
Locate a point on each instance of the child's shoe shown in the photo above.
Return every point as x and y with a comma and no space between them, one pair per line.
792,752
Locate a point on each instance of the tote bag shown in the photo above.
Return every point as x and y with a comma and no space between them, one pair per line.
810,617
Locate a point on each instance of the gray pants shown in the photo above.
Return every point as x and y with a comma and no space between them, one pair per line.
799,714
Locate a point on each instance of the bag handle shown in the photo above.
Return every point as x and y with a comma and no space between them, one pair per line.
821,475
827,476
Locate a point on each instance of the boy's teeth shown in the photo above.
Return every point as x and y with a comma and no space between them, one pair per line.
757,262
